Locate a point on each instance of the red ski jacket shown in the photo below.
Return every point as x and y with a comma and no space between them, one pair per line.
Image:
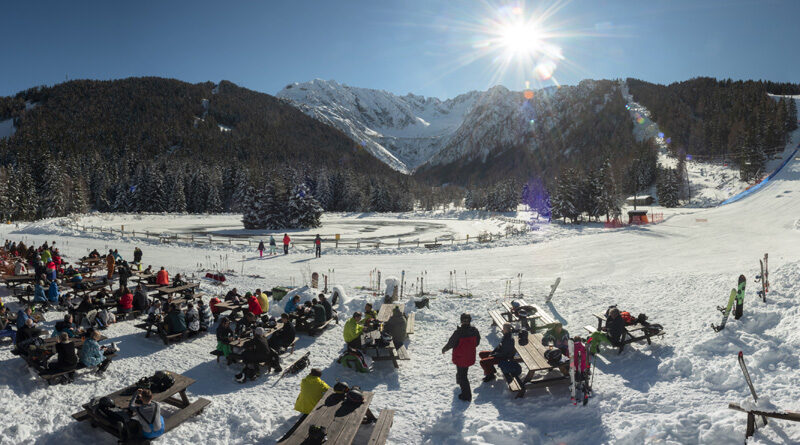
464,343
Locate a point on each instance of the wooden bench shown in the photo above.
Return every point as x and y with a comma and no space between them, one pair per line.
234,357
55,377
122,316
185,410
382,426
161,331
410,323
384,353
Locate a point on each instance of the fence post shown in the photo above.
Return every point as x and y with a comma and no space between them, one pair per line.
191,238
358,245
467,242
417,242
398,243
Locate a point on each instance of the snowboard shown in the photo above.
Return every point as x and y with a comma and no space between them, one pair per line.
572,371
749,381
553,288
726,311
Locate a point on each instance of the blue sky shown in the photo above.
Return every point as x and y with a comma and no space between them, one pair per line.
428,47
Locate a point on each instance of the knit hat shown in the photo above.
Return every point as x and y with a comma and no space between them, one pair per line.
260,332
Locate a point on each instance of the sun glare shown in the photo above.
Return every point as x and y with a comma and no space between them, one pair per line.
521,38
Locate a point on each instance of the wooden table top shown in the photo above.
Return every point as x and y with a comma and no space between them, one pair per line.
341,419
386,311
181,383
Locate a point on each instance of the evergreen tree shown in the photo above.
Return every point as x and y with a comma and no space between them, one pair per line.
177,198
27,198
304,209
78,200
323,191
667,187
609,197
253,215
52,201
213,201
564,199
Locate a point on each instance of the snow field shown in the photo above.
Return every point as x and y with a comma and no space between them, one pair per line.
674,391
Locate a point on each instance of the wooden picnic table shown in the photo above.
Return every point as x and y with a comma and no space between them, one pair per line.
634,332
16,280
168,290
539,320
342,420
185,410
234,308
90,261
532,354
385,312
369,343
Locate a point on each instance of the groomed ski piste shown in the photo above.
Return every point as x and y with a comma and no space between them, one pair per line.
675,391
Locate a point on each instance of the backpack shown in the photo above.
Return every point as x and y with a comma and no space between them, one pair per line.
553,356
161,381
316,435
510,369
354,359
627,318
523,338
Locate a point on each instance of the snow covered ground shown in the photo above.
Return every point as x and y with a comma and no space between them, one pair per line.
675,391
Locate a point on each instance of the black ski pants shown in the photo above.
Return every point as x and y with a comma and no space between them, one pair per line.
285,249
463,381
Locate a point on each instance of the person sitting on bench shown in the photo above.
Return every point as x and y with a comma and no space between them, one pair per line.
312,388
125,303
140,299
252,304
176,321
613,332
66,358
327,305
283,337
320,317
263,301
23,315
147,413
396,327
178,281
66,326
247,323
206,317
192,319
20,269
148,270
504,351
225,336
353,330
559,337
53,294
26,335
162,278
92,354
370,317
39,295
233,296
292,305
6,326
256,351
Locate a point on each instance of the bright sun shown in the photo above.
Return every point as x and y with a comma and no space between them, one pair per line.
521,38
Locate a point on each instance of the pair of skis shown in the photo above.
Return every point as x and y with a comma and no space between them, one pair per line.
764,278
575,384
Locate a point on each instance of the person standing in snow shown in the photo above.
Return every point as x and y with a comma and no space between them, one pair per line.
137,257
318,246
110,263
464,343
261,249
272,248
286,241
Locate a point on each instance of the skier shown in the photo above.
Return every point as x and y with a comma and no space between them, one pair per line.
137,255
463,342
261,249
737,313
318,246
286,241
272,249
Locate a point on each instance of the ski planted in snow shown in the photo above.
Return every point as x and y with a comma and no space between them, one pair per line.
763,292
749,381
572,371
553,288
766,272
726,311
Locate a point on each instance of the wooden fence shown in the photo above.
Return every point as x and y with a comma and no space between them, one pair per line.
301,242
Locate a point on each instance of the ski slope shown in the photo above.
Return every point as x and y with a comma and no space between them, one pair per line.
675,391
